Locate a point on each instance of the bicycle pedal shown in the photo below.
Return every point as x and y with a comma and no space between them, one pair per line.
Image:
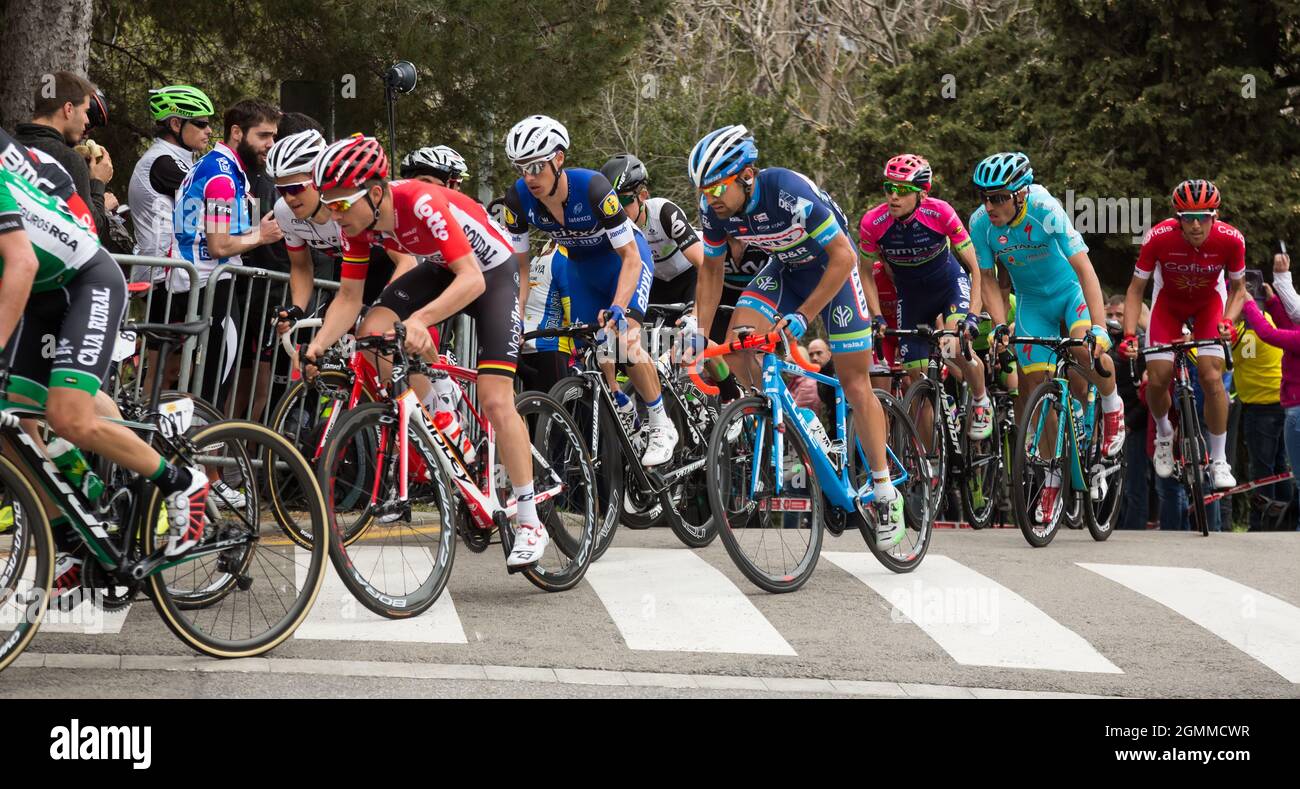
512,570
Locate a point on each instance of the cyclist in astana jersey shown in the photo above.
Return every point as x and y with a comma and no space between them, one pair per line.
1022,227
466,269
917,237
674,243
56,280
812,270
610,262
1188,256
303,218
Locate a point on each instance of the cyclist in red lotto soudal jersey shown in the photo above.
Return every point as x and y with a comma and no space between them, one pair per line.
1188,255
463,270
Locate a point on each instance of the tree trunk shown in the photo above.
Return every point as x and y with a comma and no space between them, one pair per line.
39,37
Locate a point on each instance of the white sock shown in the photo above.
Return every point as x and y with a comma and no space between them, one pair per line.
658,414
1164,428
883,488
1053,479
983,402
1218,446
525,509
1113,402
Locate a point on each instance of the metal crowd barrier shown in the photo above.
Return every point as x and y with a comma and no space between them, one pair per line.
141,307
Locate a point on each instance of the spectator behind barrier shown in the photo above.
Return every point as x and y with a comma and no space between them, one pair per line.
59,122
1258,380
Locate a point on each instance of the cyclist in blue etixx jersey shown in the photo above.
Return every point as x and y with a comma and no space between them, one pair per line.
611,266
811,270
1023,228
918,238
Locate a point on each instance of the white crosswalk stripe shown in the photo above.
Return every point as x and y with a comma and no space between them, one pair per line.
1259,624
976,620
337,615
674,600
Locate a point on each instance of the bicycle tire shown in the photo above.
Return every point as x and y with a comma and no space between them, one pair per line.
542,416
579,401
1022,495
720,461
902,434
922,392
306,439
695,526
27,541
1195,458
304,569
351,559
983,469
1101,515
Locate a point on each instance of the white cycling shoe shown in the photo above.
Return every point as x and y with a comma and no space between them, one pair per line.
891,527
1220,474
660,443
227,497
1163,459
531,541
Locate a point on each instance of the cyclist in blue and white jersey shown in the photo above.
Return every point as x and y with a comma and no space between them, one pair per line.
611,266
545,360
812,270
1023,228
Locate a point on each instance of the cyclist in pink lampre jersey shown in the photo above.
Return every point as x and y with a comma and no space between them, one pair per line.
918,238
1188,256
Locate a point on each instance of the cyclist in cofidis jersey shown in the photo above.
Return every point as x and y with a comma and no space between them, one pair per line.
611,266
811,270
1022,227
56,281
919,238
467,267
1188,255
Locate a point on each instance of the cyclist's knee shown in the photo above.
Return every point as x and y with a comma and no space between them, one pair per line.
498,402
76,423
378,321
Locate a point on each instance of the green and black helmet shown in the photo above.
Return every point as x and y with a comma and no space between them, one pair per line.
179,101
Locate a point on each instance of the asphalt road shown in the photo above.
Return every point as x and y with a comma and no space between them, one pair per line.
1145,614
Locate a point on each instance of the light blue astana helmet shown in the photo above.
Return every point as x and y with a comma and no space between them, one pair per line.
1010,171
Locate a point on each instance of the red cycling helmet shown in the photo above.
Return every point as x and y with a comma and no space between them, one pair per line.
909,168
350,162
1196,195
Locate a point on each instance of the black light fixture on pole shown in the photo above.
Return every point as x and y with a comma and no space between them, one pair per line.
399,78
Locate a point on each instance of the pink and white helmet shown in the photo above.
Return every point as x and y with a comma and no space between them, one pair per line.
909,169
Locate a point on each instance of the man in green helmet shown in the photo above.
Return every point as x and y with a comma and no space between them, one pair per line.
182,118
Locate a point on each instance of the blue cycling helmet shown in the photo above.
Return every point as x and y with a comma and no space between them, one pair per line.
1010,171
721,154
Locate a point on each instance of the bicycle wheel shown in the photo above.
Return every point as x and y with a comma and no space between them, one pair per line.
690,494
1195,457
267,584
26,562
920,404
563,480
304,414
1102,500
1040,455
983,473
400,561
908,454
774,540
576,395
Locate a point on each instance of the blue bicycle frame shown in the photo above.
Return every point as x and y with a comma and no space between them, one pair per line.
843,494
1078,428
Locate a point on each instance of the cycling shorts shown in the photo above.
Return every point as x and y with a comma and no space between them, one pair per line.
1043,316
778,291
65,337
1168,316
941,298
495,311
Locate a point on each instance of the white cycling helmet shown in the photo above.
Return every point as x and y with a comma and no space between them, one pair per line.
294,154
535,137
439,161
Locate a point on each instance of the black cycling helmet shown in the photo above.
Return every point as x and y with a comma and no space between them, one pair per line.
625,172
